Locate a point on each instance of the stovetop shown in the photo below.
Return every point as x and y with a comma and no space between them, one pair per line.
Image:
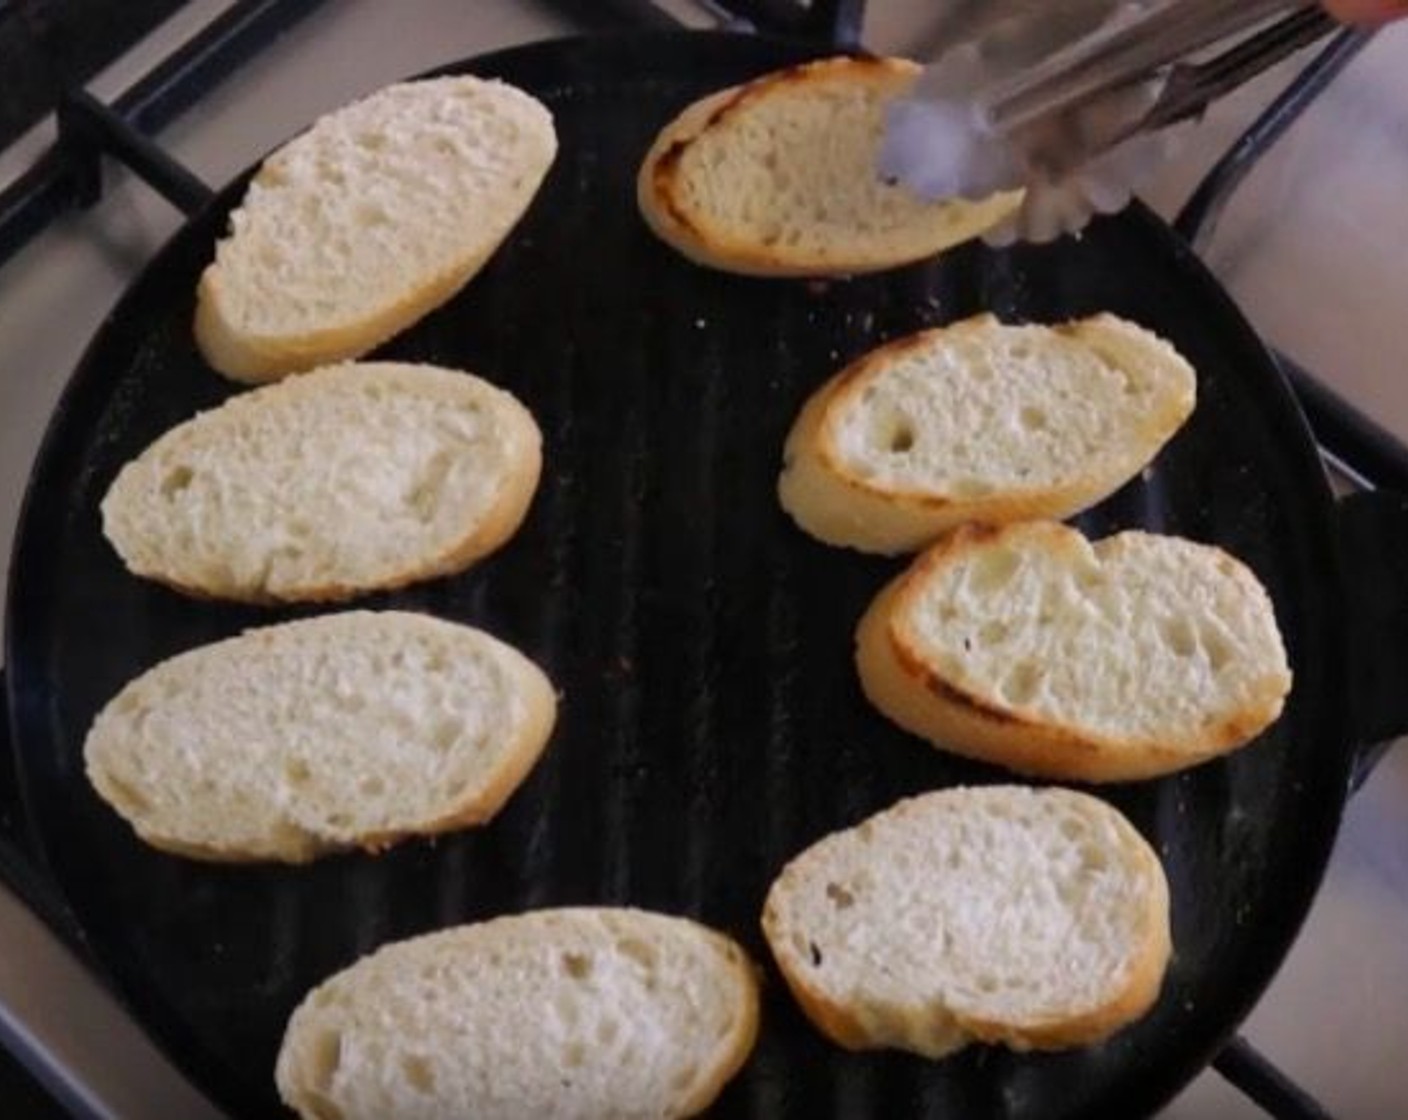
1309,246
47,46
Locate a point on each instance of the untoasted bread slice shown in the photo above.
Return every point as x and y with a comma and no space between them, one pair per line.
352,478
351,730
1029,647
376,215
1032,918
981,422
778,178
576,1014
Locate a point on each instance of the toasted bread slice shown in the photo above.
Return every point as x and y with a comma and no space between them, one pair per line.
1038,919
350,730
778,178
1029,647
376,215
980,422
352,478
575,1014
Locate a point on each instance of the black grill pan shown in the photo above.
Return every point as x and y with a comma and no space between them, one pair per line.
711,724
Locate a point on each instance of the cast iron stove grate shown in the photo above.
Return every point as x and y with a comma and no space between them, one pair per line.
70,176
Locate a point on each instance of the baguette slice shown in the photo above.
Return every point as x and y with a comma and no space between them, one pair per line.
349,479
350,730
778,178
576,1013
376,215
981,422
1029,647
1032,918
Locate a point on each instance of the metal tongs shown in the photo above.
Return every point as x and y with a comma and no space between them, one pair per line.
1073,120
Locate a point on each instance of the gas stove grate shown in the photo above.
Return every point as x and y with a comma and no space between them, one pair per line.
69,176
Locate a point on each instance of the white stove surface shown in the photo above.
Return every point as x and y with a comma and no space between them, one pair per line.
1311,248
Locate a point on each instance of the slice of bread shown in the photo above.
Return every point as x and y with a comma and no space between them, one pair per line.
1029,647
349,479
351,730
980,422
1031,918
376,215
575,1014
778,178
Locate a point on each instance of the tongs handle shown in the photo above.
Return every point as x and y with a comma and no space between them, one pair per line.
1192,87
1128,50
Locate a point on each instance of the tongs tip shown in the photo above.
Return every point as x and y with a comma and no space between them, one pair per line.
943,149
1079,125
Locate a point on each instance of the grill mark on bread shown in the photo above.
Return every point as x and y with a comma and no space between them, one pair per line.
912,663
693,224
668,162
793,75
662,177
1233,730
922,665
946,690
